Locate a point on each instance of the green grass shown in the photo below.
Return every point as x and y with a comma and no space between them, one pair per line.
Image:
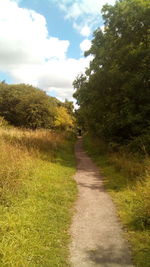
126,178
37,195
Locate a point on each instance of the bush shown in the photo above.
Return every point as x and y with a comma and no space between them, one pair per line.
26,106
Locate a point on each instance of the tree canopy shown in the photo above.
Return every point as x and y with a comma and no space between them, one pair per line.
26,106
63,119
114,92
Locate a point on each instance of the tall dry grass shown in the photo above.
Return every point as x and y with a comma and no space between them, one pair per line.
38,139
18,148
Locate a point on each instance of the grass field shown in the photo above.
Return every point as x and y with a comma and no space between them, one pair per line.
36,197
127,178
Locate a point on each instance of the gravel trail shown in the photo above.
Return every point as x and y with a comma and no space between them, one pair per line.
97,238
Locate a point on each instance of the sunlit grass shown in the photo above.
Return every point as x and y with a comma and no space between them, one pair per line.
37,193
127,178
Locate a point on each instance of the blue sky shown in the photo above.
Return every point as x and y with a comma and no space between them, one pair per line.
42,42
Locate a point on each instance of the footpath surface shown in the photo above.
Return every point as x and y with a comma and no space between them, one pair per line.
97,237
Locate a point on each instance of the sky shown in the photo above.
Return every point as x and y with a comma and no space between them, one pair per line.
42,42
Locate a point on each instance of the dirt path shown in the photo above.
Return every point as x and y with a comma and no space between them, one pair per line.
96,233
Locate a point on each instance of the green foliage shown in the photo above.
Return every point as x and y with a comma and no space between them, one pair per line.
114,93
126,177
29,107
36,196
25,106
63,119
69,106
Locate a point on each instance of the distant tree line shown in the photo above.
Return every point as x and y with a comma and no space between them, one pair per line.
114,92
25,106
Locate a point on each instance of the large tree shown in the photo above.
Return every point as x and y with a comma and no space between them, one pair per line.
114,93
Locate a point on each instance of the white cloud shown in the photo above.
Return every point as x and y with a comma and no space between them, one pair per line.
85,31
28,54
24,36
85,45
17,1
102,28
80,11
53,76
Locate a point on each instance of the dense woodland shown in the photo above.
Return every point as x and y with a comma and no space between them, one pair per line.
114,92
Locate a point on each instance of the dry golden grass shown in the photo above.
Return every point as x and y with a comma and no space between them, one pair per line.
32,139
18,150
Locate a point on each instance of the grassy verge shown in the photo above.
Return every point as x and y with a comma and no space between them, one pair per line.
126,177
36,196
